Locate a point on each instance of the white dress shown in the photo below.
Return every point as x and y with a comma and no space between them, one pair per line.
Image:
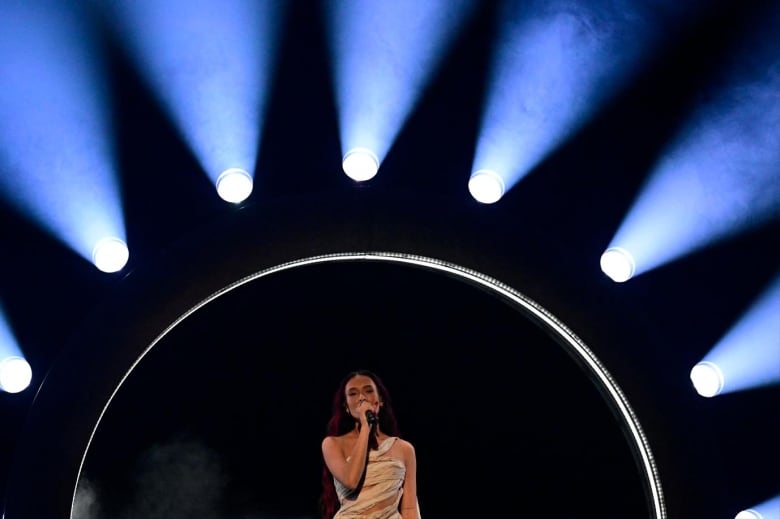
383,484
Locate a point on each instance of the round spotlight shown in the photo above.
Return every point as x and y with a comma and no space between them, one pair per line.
749,514
486,186
15,374
707,378
618,264
110,254
234,185
360,164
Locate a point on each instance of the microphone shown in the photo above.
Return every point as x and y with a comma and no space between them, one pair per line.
370,417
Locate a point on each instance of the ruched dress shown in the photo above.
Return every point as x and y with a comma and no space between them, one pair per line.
382,488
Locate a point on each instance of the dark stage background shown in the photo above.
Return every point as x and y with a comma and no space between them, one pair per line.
226,413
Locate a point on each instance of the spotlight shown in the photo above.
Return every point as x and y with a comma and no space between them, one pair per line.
360,164
618,264
707,378
110,254
749,514
15,374
486,186
234,185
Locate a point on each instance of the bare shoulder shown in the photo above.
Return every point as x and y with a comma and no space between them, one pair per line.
330,442
405,444
342,444
405,447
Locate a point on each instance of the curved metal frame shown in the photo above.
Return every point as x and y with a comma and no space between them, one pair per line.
567,338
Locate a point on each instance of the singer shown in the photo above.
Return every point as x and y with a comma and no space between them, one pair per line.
368,470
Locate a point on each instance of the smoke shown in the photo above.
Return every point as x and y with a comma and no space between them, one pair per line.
744,146
735,137
181,479
555,64
85,503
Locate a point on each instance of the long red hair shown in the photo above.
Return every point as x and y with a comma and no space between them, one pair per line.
341,422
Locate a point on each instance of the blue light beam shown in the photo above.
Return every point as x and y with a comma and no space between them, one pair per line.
56,160
720,175
383,54
555,63
769,509
209,62
15,371
8,345
749,354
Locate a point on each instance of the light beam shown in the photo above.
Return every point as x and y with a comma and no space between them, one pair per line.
748,356
555,64
383,54
209,62
719,176
769,509
15,372
56,158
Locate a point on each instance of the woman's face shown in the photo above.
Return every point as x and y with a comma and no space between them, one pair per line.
358,389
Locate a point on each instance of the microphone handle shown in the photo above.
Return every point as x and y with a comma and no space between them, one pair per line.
370,417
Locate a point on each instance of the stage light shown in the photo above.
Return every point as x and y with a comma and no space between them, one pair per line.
15,374
618,264
382,58
747,355
210,64
486,186
360,164
718,176
769,509
56,149
538,92
707,378
234,185
110,254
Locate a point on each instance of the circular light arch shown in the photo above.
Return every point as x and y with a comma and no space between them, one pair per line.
572,343
159,296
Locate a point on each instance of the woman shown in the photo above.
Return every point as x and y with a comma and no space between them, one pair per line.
369,471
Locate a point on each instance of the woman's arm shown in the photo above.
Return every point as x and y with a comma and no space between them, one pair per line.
409,508
347,472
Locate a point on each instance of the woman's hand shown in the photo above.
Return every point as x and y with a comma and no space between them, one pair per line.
364,406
